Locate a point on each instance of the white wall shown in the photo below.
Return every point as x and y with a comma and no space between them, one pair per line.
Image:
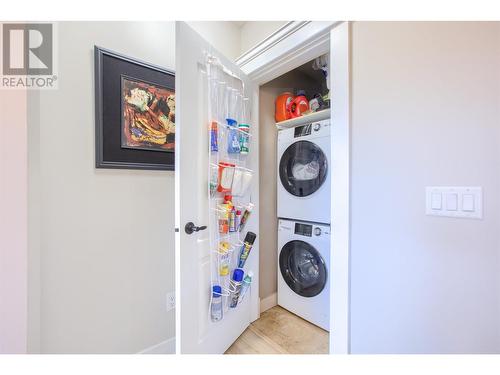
13,221
425,111
223,35
104,238
233,39
101,249
253,32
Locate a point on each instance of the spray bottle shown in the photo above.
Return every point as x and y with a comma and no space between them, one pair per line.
247,281
246,248
235,287
245,216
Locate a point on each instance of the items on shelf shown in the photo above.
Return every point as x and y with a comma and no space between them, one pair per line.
225,258
281,106
244,138
216,304
224,213
314,104
289,106
237,220
241,182
228,199
246,248
245,216
247,281
244,127
233,141
226,174
235,287
319,102
232,220
214,145
236,186
321,63
299,105
214,180
228,187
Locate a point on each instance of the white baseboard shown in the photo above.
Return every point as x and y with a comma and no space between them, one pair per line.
268,302
165,347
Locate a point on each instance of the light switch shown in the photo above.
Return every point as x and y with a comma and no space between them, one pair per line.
468,202
454,201
451,201
436,201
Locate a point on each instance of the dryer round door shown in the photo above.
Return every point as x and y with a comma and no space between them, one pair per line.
303,168
303,268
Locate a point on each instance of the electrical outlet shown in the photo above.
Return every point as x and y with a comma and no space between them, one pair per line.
170,301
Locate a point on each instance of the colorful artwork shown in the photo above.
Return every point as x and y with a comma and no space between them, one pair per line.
148,116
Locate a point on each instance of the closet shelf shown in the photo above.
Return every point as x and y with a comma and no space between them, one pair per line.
306,119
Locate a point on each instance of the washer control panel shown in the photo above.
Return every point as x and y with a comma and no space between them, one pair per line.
303,229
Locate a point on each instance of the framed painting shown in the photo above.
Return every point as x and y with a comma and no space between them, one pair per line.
135,113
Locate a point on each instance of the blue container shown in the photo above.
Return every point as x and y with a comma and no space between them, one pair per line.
235,287
233,141
216,305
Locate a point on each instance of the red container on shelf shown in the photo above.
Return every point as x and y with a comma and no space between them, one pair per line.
298,106
281,106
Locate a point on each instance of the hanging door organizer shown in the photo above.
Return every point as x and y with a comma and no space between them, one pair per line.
229,189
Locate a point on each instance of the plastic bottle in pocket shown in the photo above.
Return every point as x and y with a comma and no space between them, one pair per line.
244,138
216,305
235,287
233,141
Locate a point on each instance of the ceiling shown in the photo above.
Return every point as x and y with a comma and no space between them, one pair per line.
239,23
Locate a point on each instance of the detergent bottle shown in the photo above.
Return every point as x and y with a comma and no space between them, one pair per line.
281,112
298,105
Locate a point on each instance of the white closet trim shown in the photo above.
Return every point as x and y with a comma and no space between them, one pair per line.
284,31
289,47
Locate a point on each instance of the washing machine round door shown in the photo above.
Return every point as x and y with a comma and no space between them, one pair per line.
303,268
303,168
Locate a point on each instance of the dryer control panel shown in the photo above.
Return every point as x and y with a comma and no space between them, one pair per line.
305,132
303,228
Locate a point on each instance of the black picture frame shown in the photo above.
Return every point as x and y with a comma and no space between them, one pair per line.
109,68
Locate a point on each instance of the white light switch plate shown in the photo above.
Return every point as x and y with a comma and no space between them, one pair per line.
454,201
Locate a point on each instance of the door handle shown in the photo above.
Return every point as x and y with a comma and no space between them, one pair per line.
190,228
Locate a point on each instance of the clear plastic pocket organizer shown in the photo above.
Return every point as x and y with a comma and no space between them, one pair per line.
229,187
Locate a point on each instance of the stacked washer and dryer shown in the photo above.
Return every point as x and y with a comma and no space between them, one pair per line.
304,221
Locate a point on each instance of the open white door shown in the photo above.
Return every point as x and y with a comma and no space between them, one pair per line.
195,332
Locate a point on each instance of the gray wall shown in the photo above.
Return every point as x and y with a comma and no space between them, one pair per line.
425,111
103,239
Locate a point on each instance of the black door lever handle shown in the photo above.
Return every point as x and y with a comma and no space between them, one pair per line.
190,228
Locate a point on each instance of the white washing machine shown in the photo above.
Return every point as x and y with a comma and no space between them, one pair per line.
304,172
303,270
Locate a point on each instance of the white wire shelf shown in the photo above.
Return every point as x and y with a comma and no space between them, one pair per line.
306,119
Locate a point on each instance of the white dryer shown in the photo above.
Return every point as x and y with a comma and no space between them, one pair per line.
303,270
304,172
